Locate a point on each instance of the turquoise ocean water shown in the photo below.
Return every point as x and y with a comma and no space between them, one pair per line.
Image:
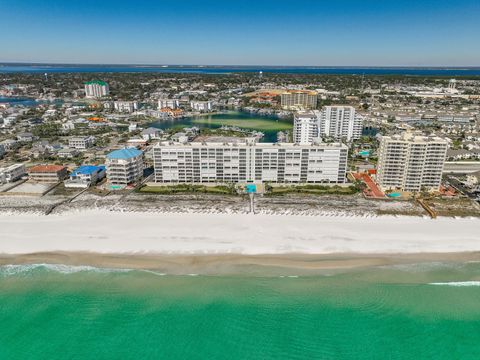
425,311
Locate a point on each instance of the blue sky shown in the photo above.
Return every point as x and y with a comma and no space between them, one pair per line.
295,32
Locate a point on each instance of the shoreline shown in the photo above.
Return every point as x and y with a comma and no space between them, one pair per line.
233,264
197,234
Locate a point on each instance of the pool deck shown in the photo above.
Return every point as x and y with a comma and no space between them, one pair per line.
372,191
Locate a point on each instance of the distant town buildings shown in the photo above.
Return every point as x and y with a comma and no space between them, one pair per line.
203,106
298,99
411,162
125,106
168,103
96,89
81,142
249,161
124,167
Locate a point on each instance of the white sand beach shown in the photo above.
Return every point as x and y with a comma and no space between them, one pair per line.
107,232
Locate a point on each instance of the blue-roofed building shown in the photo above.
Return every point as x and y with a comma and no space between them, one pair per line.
124,167
85,176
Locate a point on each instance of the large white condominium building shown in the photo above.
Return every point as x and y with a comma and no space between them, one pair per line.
411,162
298,99
248,161
124,167
340,122
305,127
168,103
96,89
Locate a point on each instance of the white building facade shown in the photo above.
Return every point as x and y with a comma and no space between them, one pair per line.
411,162
249,162
340,122
201,105
168,103
305,127
81,142
12,173
125,106
124,167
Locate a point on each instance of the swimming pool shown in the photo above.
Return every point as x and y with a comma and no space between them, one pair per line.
251,188
394,195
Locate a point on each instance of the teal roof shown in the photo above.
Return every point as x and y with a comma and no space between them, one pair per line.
126,153
98,82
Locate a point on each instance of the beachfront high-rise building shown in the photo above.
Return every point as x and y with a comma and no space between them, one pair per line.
411,162
305,127
298,99
249,161
340,122
96,89
124,167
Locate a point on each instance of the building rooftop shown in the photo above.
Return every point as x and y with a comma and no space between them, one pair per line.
247,142
127,153
98,82
45,168
87,169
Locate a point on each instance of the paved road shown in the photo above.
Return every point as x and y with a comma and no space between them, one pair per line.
461,167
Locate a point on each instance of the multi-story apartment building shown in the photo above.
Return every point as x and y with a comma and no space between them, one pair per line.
124,167
96,89
125,106
168,103
48,173
411,162
305,127
201,105
81,142
298,99
11,173
340,122
249,161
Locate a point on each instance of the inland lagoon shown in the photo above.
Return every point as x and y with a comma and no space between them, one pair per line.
267,124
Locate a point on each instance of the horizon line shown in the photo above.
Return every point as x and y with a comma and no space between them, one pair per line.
240,65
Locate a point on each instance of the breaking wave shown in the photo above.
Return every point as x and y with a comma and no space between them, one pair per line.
457,283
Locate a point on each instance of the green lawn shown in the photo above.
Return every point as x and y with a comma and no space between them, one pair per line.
313,190
260,125
186,188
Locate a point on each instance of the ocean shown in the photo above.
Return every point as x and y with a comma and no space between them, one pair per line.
423,311
326,70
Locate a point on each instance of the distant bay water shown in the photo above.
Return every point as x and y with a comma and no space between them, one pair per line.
418,71
422,311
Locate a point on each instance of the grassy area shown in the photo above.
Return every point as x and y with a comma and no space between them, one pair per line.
186,188
254,124
312,190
